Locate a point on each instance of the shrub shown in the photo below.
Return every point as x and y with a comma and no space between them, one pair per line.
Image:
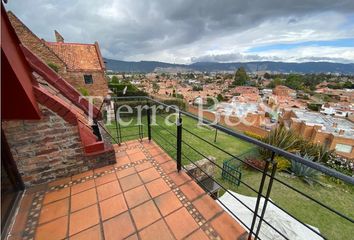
341,165
314,107
114,79
319,152
282,163
305,173
197,88
177,95
173,101
131,90
84,91
220,98
289,141
282,138
253,135
53,66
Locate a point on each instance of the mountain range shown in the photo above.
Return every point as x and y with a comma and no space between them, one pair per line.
280,67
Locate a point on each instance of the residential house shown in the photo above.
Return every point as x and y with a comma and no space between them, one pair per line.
335,133
246,94
342,95
80,64
281,90
45,123
340,109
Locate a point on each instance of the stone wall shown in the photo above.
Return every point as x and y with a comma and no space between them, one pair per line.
205,168
50,148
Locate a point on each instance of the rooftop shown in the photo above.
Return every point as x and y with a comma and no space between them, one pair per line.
78,56
329,123
239,109
140,197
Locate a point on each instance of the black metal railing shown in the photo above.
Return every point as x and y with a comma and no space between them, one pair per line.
177,149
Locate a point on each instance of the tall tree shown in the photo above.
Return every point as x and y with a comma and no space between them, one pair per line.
266,75
241,78
155,87
115,79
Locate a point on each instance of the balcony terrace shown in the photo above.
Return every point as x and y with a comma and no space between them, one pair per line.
171,185
142,196
152,193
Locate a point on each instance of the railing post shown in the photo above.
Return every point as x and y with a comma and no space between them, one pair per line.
179,143
96,130
259,196
269,189
149,122
117,124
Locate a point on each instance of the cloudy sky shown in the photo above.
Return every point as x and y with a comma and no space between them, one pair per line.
185,31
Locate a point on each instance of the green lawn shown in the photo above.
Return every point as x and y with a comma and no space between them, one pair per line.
339,197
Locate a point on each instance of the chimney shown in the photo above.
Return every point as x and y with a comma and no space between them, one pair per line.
335,125
341,132
58,37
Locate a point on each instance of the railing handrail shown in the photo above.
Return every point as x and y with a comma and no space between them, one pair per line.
314,165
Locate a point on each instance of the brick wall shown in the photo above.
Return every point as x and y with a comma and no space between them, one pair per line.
341,140
315,135
50,148
75,78
99,86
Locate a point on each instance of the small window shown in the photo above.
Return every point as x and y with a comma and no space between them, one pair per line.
88,79
343,148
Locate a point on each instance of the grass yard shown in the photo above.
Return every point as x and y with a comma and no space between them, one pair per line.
339,197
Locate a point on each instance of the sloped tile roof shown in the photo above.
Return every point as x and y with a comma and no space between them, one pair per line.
58,82
78,56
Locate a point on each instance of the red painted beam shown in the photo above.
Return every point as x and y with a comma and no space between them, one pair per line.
17,97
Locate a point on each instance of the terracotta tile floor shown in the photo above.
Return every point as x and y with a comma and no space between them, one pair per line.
140,197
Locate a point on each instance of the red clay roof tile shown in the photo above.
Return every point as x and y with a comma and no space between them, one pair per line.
77,56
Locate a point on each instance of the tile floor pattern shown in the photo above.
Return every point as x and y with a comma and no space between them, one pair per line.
140,197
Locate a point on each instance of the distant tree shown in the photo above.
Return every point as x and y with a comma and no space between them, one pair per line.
210,102
241,78
276,81
220,97
115,79
294,81
155,87
227,76
348,84
314,107
267,76
190,75
197,88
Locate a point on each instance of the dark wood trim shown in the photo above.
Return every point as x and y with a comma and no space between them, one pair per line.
14,176
10,164
10,217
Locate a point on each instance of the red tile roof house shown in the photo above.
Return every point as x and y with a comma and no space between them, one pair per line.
60,142
80,64
45,137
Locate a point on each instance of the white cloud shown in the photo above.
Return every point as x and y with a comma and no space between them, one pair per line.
177,31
